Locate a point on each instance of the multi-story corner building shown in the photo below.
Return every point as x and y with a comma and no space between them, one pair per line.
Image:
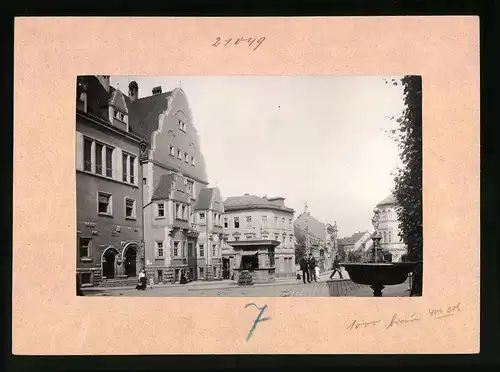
108,185
321,238
250,217
174,174
389,229
208,218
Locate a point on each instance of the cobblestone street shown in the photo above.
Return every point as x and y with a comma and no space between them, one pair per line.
346,288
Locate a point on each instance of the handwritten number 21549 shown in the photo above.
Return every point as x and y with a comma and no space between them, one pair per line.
239,40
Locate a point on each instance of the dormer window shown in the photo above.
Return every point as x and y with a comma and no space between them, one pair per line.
192,161
186,158
179,154
182,125
172,151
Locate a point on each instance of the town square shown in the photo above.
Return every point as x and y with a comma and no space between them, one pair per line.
180,194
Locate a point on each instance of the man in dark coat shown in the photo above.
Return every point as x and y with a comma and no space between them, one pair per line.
305,269
312,267
336,268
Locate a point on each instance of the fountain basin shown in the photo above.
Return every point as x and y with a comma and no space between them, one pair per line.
378,275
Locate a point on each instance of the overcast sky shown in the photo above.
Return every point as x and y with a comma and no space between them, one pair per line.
313,139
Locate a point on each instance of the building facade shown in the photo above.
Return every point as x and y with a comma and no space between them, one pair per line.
251,217
321,238
389,229
174,175
356,247
108,185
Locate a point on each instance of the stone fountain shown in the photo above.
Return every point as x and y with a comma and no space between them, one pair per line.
377,273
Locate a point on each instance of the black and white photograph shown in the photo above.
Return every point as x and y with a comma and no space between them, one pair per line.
249,186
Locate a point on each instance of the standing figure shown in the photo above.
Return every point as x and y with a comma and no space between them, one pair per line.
312,267
336,268
142,281
304,263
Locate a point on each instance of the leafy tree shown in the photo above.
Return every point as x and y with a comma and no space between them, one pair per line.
300,247
408,177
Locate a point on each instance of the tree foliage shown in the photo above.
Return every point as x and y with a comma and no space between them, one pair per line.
408,177
300,247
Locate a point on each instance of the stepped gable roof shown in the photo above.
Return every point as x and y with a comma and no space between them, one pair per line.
254,202
390,200
163,188
314,226
353,239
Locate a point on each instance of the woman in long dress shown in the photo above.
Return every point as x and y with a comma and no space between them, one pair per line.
142,282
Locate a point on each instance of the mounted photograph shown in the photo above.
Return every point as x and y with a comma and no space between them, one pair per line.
249,186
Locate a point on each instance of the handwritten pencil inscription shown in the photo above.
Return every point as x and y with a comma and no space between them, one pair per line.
250,42
397,320
257,320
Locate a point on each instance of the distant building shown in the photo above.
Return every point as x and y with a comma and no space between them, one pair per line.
357,245
250,217
321,238
108,185
389,228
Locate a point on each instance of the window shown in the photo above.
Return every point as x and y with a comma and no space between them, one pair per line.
159,249
179,154
215,271
124,167
265,237
109,161
190,188
104,203
184,212
85,245
182,125
178,211
214,250
264,221
226,222
186,158
276,221
87,155
290,221
276,236
248,219
172,151
192,161
176,249
86,278
144,181
132,170
291,240
390,236
202,217
236,222
183,250
236,238
283,222
284,238
202,272
160,208
98,158
202,250
129,208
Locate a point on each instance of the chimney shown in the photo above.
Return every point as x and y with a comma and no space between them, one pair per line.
247,194
133,91
156,90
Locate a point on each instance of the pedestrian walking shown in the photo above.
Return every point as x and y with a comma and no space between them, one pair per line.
312,267
305,269
336,268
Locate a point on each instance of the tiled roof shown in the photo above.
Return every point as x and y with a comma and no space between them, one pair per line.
97,97
389,200
353,239
144,113
162,189
306,222
252,201
204,199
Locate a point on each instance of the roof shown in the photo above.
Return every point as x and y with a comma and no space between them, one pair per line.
306,222
162,190
388,201
144,113
208,199
97,96
353,239
253,202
